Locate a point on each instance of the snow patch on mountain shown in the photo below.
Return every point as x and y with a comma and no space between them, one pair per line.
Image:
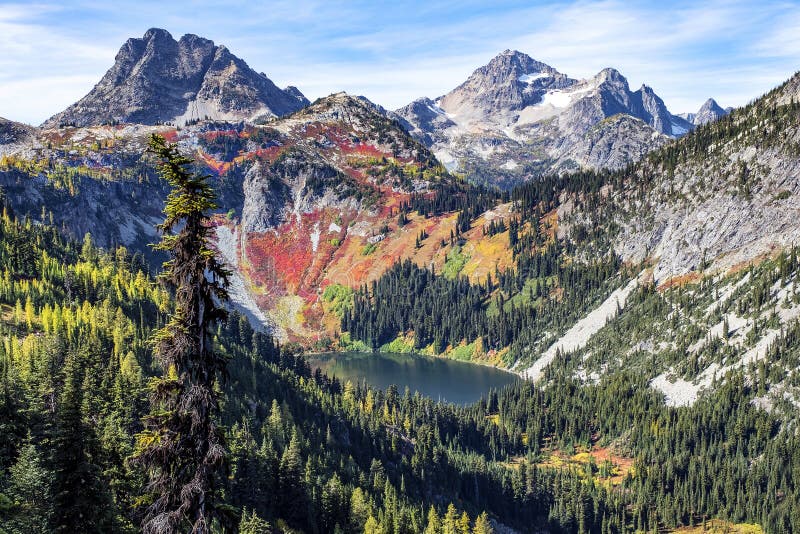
677,129
557,99
436,109
532,77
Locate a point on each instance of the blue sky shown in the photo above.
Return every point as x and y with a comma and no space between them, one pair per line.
51,54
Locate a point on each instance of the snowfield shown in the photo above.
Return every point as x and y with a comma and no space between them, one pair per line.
557,99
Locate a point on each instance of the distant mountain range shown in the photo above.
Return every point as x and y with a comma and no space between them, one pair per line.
512,119
516,117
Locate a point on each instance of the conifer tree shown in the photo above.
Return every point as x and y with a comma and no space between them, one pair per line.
450,520
80,500
292,498
434,525
182,447
30,491
359,510
482,525
252,524
462,524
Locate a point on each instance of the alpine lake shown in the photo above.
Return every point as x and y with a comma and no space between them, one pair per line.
442,379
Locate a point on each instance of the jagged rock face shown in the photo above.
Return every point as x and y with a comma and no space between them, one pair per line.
511,81
516,118
653,110
295,92
264,200
114,213
606,95
156,79
725,227
710,111
15,134
613,143
273,194
424,120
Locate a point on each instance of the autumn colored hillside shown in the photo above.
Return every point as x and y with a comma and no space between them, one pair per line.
351,232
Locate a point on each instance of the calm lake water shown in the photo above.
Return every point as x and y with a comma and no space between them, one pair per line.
438,378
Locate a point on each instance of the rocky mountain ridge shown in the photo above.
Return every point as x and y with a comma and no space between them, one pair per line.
516,118
15,135
157,79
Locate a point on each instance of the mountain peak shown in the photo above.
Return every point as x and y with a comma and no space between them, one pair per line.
711,105
510,81
156,34
708,112
514,54
612,75
12,133
487,124
295,92
192,40
157,79
512,64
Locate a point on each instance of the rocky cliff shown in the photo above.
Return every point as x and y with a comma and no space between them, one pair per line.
157,79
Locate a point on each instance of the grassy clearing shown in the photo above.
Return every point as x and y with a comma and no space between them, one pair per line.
719,526
337,298
403,344
455,262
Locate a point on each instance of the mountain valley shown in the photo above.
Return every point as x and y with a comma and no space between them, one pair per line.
636,269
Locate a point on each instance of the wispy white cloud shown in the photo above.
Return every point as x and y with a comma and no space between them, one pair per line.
783,40
686,54
41,97
42,68
393,53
